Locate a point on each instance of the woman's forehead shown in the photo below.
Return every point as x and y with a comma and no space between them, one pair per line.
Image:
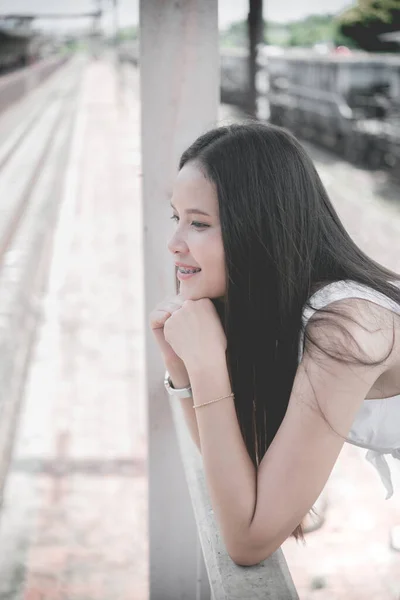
192,174
191,185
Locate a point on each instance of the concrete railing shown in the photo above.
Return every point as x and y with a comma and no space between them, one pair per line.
270,579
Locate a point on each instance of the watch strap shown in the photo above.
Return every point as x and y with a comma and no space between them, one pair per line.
185,392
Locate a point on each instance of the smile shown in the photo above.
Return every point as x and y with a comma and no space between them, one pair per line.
186,274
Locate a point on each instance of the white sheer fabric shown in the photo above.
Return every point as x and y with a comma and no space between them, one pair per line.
377,424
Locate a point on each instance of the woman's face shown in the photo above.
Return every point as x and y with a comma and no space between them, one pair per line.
197,239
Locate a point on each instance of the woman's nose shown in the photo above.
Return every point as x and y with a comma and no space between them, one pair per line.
177,244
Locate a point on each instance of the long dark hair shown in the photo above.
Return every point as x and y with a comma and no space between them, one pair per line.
282,240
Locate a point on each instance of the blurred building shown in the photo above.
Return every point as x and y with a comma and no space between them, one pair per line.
18,43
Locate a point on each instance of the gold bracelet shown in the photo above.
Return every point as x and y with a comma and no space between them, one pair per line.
216,400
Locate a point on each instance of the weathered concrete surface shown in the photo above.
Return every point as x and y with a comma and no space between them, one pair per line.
179,101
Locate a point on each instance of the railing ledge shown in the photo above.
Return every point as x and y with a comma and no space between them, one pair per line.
270,579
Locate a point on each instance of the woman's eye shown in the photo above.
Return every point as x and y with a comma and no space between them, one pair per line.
199,225
195,224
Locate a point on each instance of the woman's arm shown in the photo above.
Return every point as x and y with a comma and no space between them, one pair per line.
257,511
230,473
180,379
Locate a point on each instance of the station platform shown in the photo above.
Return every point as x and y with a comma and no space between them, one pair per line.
74,519
74,512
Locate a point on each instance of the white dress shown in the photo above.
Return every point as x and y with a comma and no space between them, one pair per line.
377,423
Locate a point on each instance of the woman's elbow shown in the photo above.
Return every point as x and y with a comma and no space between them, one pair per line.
249,558
248,551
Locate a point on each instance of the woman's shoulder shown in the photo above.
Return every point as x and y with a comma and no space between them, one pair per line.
356,327
351,295
328,292
358,323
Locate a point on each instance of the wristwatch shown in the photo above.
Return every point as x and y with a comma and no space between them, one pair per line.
180,392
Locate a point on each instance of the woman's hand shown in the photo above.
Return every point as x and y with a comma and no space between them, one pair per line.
195,333
158,318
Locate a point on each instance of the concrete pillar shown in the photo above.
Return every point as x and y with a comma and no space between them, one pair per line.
256,35
179,68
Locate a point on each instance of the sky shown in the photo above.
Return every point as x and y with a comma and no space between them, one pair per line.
128,10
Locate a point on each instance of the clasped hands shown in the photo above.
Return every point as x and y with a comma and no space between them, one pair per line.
196,334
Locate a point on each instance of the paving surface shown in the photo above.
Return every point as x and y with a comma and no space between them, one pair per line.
73,524
74,517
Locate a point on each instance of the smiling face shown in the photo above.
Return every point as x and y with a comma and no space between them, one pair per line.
197,240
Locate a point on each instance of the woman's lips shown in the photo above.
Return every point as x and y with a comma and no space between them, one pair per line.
183,276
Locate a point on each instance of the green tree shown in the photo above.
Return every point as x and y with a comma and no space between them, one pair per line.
309,31
235,36
128,33
305,32
368,20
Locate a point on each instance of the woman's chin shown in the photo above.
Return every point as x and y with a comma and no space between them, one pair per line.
191,294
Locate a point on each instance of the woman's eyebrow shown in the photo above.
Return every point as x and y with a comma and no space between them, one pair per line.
191,211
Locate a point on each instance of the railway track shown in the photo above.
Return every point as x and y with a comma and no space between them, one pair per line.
28,145
33,157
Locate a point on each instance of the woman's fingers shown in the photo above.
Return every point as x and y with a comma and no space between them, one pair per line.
163,312
158,318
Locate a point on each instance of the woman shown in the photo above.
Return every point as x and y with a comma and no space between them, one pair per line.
284,336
